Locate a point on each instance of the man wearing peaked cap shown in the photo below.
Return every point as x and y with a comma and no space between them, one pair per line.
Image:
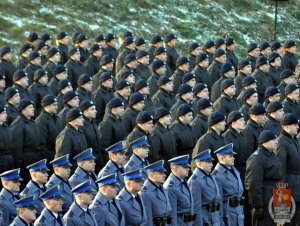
79,212
54,57
49,125
42,48
85,169
158,70
12,97
36,186
244,70
230,185
172,53
182,67
92,64
291,100
289,59
138,160
117,160
62,39
26,212
155,196
53,201
263,171
205,190
275,115
142,70
123,91
9,194
287,152
20,80
34,63
130,200
85,86
6,66
106,207
179,193
215,68
60,177
194,50
252,54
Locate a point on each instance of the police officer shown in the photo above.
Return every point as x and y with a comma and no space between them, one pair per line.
85,169
34,63
36,186
287,76
24,52
194,50
92,64
205,191
142,70
142,87
200,92
156,41
59,73
6,66
82,42
215,68
53,201
230,55
71,140
252,54
62,39
106,207
53,56
182,67
20,80
123,91
158,70
288,150
117,160
128,48
288,57
230,186
71,100
291,100
275,67
160,53
272,94
9,194
263,171
189,79
12,97
60,177
106,66
63,87
26,211
209,49
155,196
244,70
111,46
85,86
250,97
200,70
42,48
79,212
248,82
275,115
130,201
179,193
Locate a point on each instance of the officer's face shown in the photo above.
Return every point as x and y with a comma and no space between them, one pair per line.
183,172
98,53
136,186
143,152
253,99
63,171
7,56
26,53
119,111
221,59
119,158
294,95
207,111
205,166
277,62
266,51
15,99
255,52
275,97
23,82
66,89
74,102
188,96
28,213
109,66
125,92
166,120
12,185
76,56
187,118
265,67
87,198
172,43
3,117
260,119
132,64
239,124
88,86
130,79
43,51
290,80
52,108
91,112
84,44
158,177
139,106
108,83
292,49
278,115
231,90
145,90
145,60
191,82
230,74
247,69
185,67
40,177
44,80
161,70
147,126
111,191
271,145
112,43
65,40
36,61
196,51
204,63
55,205
162,57
28,111
88,165
229,160
56,58
292,129
168,86
203,94
220,126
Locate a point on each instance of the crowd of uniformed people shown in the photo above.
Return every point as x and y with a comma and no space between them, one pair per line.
146,135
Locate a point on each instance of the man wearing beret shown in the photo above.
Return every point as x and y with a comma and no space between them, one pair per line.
71,140
26,212
6,66
123,91
248,82
128,48
200,70
110,49
250,97
92,64
160,53
275,115
215,68
130,65
244,70
42,49
252,54
24,52
74,66
20,79
59,73
34,63
182,67
158,70
84,89
289,59
63,87
200,92
82,43
263,171
142,87
287,77
49,125
142,70
189,79
12,97
272,94
156,41
62,39
53,56
230,55
182,131
209,49
291,100
33,39
194,50
288,153
170,42
275,67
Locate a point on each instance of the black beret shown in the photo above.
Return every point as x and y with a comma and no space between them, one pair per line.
63,84
33,36
125,72
261,60
59,69
19,74
187,77
156,39
200,57
61,35
135,98
248,93
290,88
183,109
139,41
163,80
215,118
184,88
159,50
106,59
161,112
266,136
289,43
219,52
248,80
144,117
121,84
157,64
208,44
94,48
45,37
275,45
251,47
140,84
72,51
41,45
286,73
226,83
74,113
39,73
264,45
289,119
203,103
229,41
128,40
24,103
169,37
2,77
257,109
271,91
100,38
234,116
33,55
226,67
48,99
80,38
83,79
243,63
24,48
10,92
127,34
193,46
75,35
182,60
69,96
219,42
4,50
86,104
105,76
141,53
273,56
115,102
129,58
199,87
274,106
110,37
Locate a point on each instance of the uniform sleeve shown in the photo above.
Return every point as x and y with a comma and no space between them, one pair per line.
173,202
281,153
105,131
156,147
197,198
148,208
42,127
63,145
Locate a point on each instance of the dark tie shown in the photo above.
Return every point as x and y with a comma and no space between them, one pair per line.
93,177
43,188
185,184
59,220
17,196
121,170
117,209
138,199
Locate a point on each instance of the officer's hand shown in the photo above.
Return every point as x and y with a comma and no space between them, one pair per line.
258,212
